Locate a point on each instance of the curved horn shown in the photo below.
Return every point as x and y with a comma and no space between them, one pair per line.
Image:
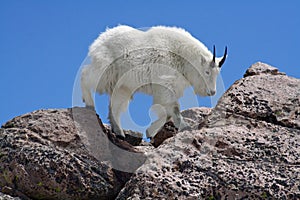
214,58
224,58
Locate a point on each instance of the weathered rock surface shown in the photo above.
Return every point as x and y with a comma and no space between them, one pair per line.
262,68
42,156
7,197
247,148
132,137
195,116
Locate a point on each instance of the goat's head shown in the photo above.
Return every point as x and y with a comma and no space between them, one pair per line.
209,72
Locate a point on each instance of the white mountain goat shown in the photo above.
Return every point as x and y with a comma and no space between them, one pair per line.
161,62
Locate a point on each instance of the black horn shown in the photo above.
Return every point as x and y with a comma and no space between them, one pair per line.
224,58
214,58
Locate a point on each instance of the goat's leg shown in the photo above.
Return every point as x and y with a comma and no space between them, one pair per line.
86,90
161,97
167,100
156,125
114,119
118,103
174,112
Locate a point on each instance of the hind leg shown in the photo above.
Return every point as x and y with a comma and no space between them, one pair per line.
86,89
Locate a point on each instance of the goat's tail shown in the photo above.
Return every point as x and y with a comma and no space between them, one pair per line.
86,88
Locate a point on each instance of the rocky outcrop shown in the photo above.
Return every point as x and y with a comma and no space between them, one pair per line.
43,156
247,147
7,197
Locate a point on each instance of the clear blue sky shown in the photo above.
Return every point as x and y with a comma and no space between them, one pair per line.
43,43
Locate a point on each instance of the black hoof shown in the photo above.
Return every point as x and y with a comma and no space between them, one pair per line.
120,137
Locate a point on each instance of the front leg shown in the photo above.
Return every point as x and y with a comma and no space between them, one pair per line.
114,120
178,120
155,127
159,123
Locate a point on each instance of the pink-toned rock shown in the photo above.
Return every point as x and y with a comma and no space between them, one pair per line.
262,68
265,97
247,147
44,156
7,197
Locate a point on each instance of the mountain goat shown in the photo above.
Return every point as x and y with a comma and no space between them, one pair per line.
161,62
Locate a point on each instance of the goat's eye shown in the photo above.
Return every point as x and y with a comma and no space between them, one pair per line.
207,72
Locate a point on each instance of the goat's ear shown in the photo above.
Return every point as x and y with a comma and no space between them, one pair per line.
224,58
213,64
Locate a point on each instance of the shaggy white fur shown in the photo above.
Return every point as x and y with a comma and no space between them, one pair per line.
161,61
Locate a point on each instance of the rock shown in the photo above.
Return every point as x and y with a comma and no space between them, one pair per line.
262,68
132,137
167,131
195,117
265,97
7,197
50,154
146,147
246,148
